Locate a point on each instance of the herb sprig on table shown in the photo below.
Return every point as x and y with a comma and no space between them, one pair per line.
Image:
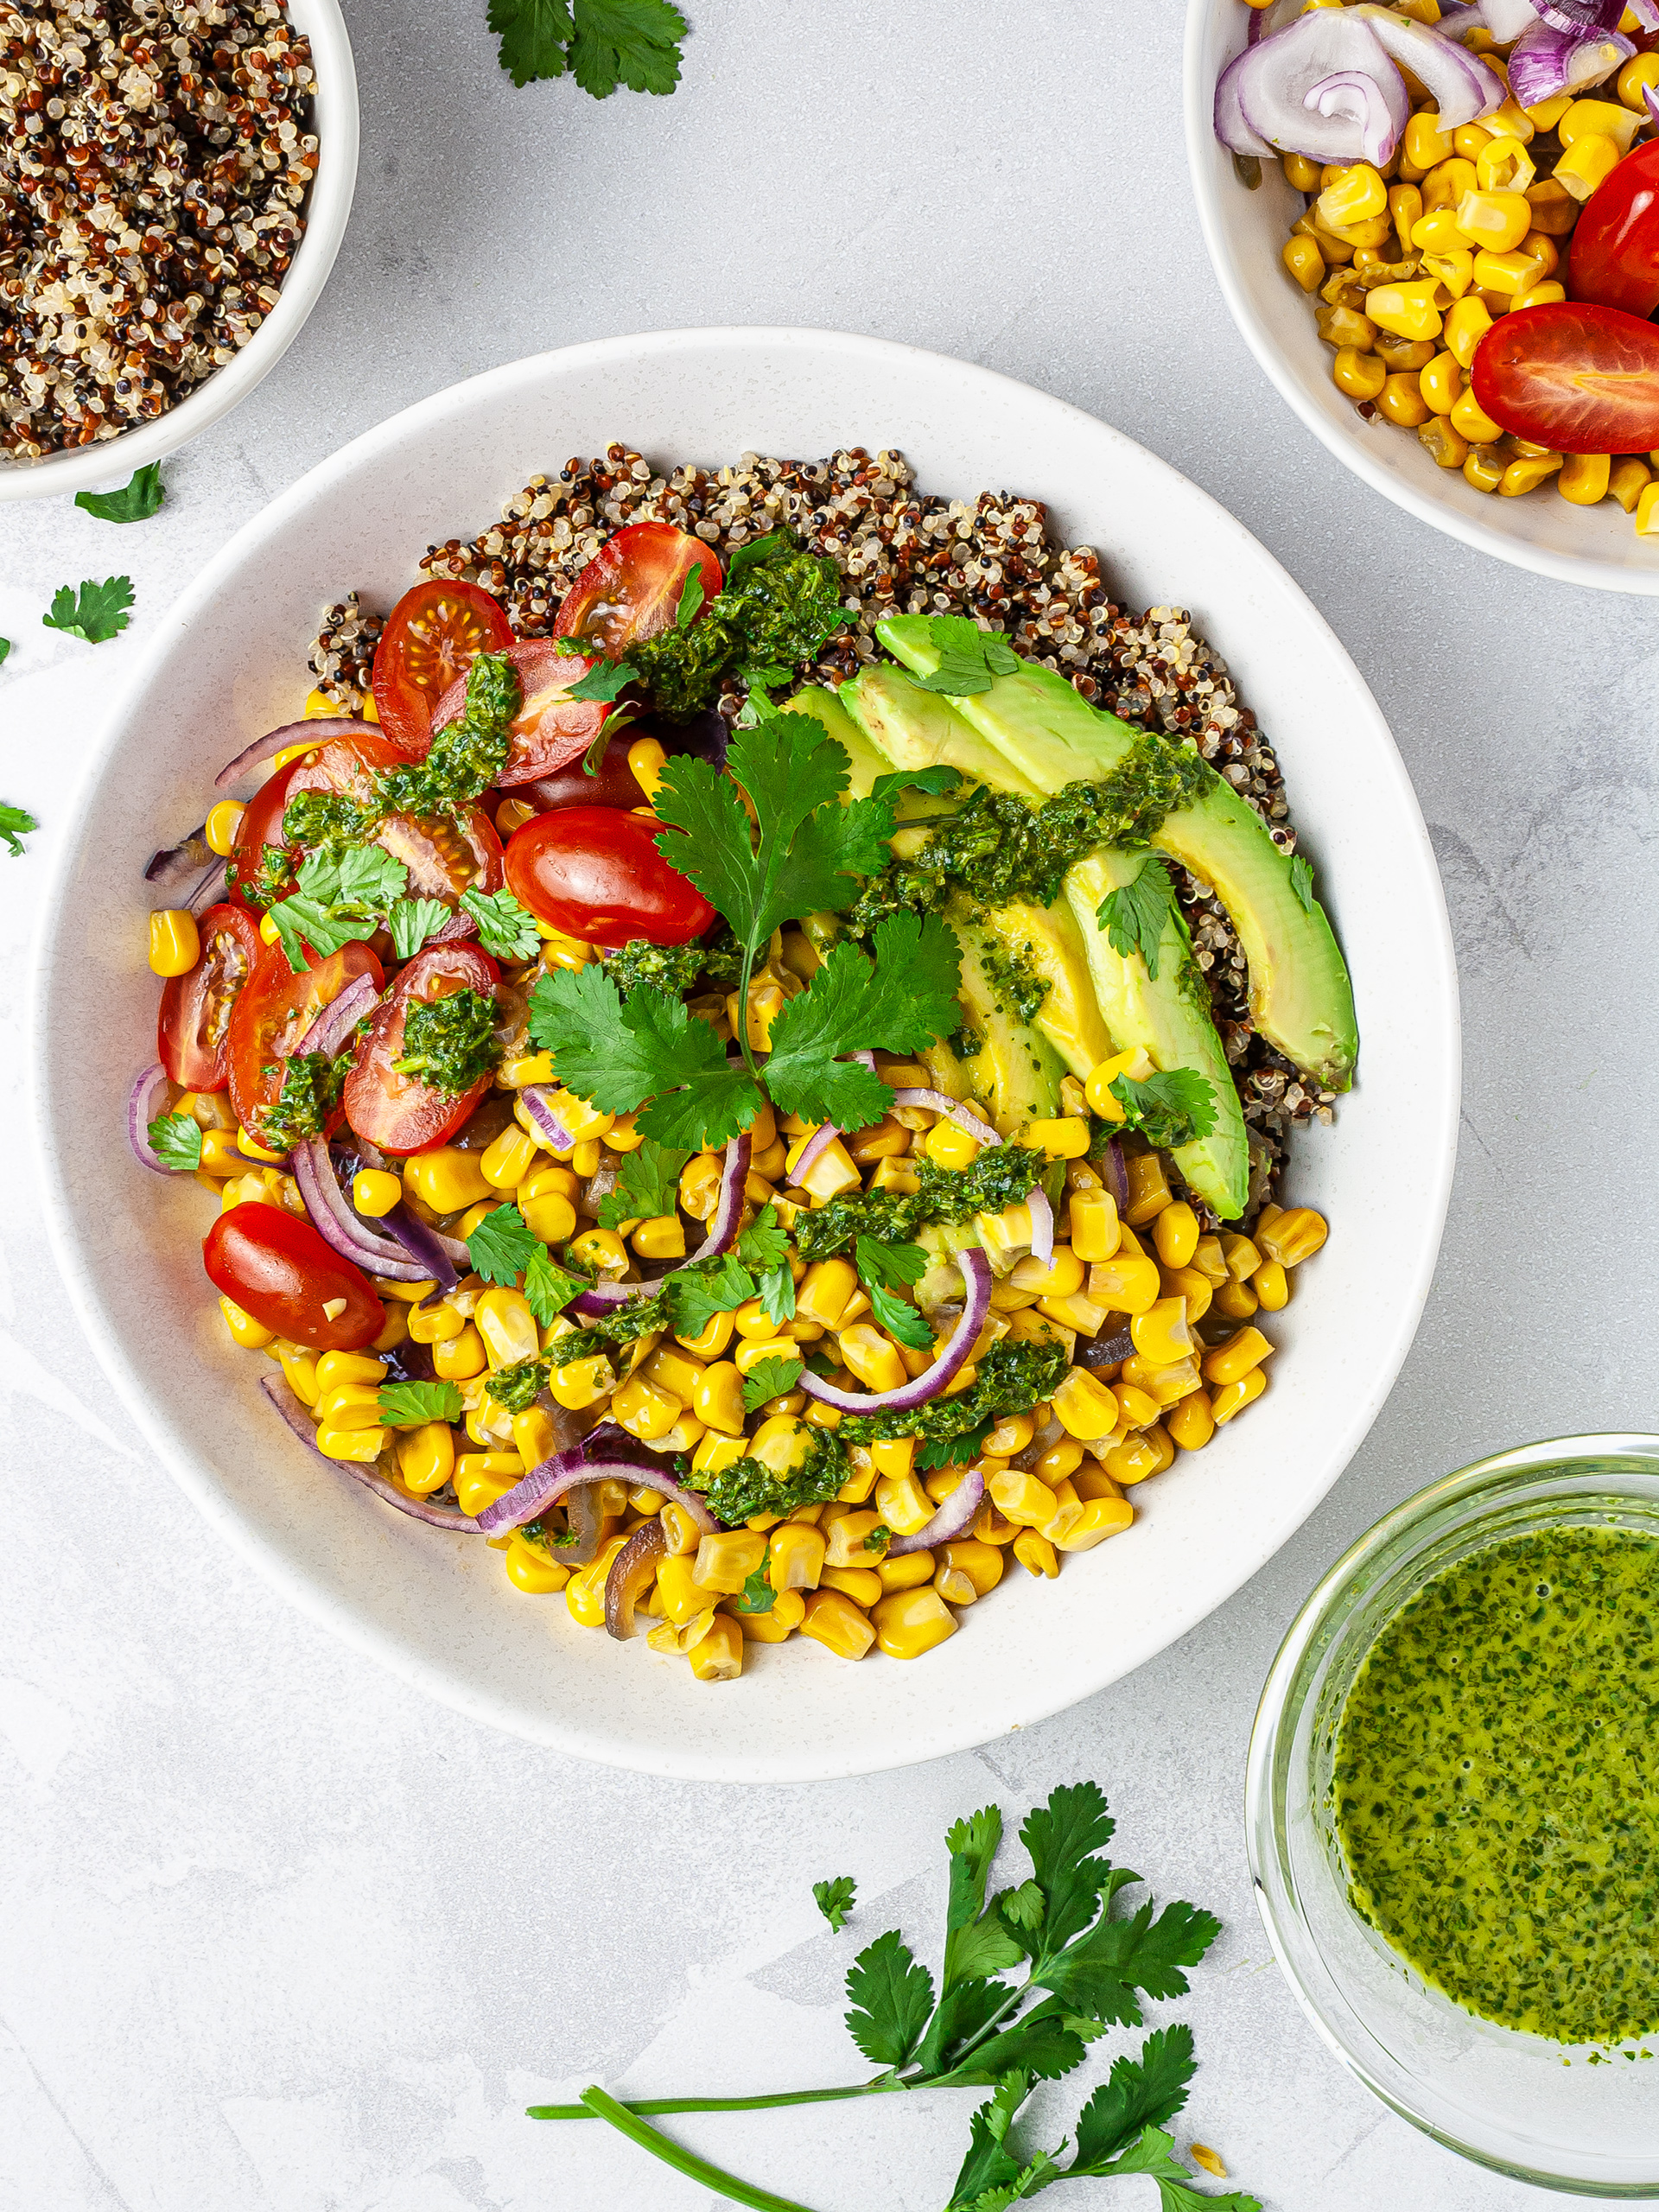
602,43
1083,1965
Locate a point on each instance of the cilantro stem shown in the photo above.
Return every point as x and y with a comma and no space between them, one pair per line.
724,2104
686,2162
750,947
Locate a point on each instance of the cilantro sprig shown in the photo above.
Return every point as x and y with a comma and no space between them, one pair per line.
1083,1964
342,895
602,43
139,498
647,1184
16,822
1172,1108
96,612
1136,914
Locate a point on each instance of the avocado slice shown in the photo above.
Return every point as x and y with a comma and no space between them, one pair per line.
865,761
1301,996
1015,1069
1099,1001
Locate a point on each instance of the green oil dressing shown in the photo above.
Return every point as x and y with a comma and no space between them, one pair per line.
1497,1784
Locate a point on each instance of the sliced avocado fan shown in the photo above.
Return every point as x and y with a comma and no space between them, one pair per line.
1301,996
1099,1001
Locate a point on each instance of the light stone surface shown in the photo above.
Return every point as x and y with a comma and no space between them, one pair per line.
280,1937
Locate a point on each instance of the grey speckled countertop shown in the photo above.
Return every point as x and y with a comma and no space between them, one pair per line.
280,1937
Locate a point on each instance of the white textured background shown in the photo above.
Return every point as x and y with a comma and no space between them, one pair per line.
275,1933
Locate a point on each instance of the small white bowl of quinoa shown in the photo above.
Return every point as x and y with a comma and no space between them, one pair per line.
175,177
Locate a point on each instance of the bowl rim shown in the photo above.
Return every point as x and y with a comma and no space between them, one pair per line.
964,1730
1264,1809
339,125
1197,99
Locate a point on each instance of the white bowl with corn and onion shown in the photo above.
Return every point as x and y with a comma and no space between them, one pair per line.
1388,382
720,1336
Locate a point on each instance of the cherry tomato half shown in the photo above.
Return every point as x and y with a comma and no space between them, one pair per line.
431,637
551,729
271,1015
193,1028
1573,376
632,587
444,856
252,871
596,874
399,1113
1615,257
613,782
277,1267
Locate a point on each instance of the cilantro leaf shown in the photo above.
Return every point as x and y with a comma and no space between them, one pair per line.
411,921
763,1243
367,876
408,1405
5,647
549,1289
1063,1837
769,1378
1134,915
1100,1973
894,1266
16,822
1301,882
300,921
692,596
968,657
647,1184
97,614
137,499
1151,2155
937,781
892,1997
953,1451
605,681
1169,1109
756,1595
506,928
899,1319
696,1294
835,1899
777,1295
904,999
620,1052
1139,2093
175,1140
533,34
990,2169
633,42
757,551
502,1245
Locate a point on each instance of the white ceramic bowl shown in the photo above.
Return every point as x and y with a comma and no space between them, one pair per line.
229,663
1244,232
111,461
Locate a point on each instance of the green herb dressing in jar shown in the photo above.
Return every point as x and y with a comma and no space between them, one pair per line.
1495,1783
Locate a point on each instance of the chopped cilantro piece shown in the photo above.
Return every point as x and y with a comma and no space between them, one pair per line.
1301,882
647,1184
969,657
409,1405
411,921
16,822
137,499
835,1899
501,1247
97,612
1169,1109
175,1140
506,928
1134,915
769,1378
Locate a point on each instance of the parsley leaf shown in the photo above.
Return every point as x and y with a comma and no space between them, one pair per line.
892,2000
1169,1109
1133,915
763,1243
506,929
905,1000
692,595
696,1294
503,1245
97,613
769,1378
549,1289
756,1595
1301,882
968,657
959,1451
408,1405
605,681
619,1052
16,822
411,921
899,1319
776,1295
175,1140
647,1184
136,500
602,42
894,1266
835,1899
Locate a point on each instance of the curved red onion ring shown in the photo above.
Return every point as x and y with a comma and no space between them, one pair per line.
605,1297
1545,62
953,1110
1260,94
435,1517
336,1022
146,1102
441,1257
207,891
336,1221
535,1096
566,1470
976,1271
177,865
630,1571
1579,15
818,1144
957,1513
1357,98
1042,1224
1117,1175
325,726
1460,84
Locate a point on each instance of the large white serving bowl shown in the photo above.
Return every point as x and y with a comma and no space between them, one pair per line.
1244,232
84,468
229,663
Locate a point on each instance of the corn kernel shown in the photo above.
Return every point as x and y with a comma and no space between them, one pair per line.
447,1179
947,1146
481,1477
1191,1424
363,1445
299,1370
795,1556
1409,310
508,1158
1245,1349
1084,1407
1594,118
850,1540
1425,145
1585,477
506,1323
1021,1498
1641,69
1586,163
1175,1235
1149,1191
1101,1518
1232,1397
1128,1283
222,824
726,1561
1526,472
1446,182
1441,385
1504,165
1139,1457
833,1620
861,1583
1402,401
1036,1553
1359,376
645,1409
910,1622
1405,209
458,1358
1092,1217
1493,222
1302,258
1630,477
1646,511
1467,323
175,943
1066,1139
1293,1236
718,1656
904,1507
872,1358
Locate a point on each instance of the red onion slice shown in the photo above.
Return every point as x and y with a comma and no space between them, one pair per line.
566,1470
1461,85
335,1023
146,1102
435,1517
1578,15
1261,95
537,1098
953,1110
605,1297
1117,1175
815,1146
1042,1225
434,1254
954,1517
325,726
338,1224
630,1571
1359,99
976,1269
1231,127
1545,62
208,890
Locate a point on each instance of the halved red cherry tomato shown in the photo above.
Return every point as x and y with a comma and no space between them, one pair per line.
432,636
1573,377
551,729
255,879
1615,257
596,874
444,857
272,1015
613,783
632,587
399,1113
277,1268
193,1028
